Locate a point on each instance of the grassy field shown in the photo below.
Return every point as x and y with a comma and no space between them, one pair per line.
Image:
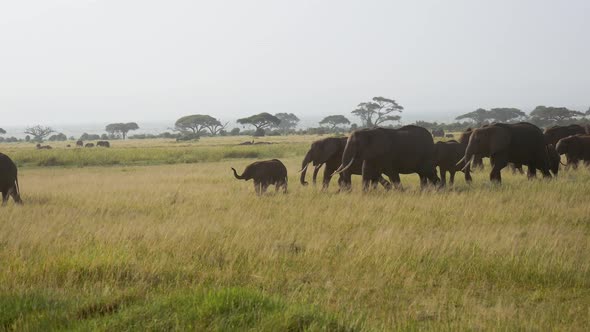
180,244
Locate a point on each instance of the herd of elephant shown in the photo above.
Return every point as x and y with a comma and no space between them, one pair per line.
376,152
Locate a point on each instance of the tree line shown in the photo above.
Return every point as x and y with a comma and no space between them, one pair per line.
379,111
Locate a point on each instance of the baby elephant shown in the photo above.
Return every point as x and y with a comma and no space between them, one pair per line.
265,173
9,180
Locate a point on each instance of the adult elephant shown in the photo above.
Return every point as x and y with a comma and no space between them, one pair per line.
519,143
554,161
575,147
554,134
409,149
477,162
9,180
328,152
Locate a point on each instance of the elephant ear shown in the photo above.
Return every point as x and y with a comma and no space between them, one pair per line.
331,148
575,146
499,140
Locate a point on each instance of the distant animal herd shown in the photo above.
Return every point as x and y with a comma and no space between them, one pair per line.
377,152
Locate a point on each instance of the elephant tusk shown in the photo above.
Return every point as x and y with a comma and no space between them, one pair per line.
460,161
466,166
303,169
561,162
340,169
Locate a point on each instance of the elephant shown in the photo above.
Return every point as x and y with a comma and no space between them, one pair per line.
446,157
265,173
89,145
555,133
575,147
554,161
79,143
438,133
9,180
477,162
409,149
519,143
104,144
329,151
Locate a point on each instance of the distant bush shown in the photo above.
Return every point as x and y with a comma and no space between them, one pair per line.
58,137
89,137
187,137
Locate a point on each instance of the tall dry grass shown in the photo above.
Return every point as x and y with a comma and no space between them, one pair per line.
470,257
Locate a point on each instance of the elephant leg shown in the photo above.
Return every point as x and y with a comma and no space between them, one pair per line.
4,198
532,171
282,184
257,187
497,164
385,183
345,181
452,177
443,176
328,171
14,194
395,180
423,180
368,172
468,178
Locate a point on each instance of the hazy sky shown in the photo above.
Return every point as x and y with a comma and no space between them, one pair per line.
80,61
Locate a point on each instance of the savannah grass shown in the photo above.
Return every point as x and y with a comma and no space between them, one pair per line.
186,246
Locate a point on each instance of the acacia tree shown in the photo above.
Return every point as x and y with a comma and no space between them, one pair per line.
478,116
501,114
378,111
38,132
197,123
2,131
288,121
334,120
506,114
260,121
121,128
543,115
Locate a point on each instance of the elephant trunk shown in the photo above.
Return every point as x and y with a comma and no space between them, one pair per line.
304,166
239,177
347,157
468,158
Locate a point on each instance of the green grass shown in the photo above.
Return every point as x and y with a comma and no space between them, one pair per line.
188,247
144,154
216,309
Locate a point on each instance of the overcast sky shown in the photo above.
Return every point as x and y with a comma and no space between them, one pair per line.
81,61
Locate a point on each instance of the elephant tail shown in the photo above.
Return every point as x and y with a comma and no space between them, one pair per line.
239,177
17,186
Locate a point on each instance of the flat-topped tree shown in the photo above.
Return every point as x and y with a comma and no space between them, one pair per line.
333,121
478,116
197,123
38,132
288,121
261,122
377,111
2,131
121,128
543,115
